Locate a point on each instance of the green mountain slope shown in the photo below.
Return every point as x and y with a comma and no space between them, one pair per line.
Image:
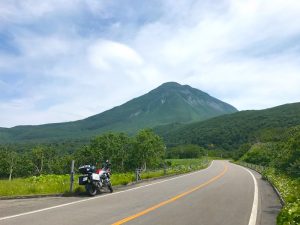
230,131
169,103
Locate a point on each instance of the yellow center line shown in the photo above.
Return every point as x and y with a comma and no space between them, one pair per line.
129,218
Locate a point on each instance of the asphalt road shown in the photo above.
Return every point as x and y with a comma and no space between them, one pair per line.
223,194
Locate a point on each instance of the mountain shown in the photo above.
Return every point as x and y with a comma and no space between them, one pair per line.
229,132
169,103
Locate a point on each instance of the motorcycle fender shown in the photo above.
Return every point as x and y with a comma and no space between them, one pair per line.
95,176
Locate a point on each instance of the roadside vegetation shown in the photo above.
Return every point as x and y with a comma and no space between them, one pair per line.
279,154
60,184
289,187
35,185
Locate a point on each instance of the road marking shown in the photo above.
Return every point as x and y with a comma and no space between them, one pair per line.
253,216
127,219
101,196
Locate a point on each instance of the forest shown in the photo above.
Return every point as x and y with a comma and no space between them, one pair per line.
145,149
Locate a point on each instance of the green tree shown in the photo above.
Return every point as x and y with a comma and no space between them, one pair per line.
42,158
293,154
148,149
120,149
244,148
185,152
88,155
61,164
259,154
9,160
12,159
26,167
113,146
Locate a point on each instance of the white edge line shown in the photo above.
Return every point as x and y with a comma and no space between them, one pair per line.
253,216
101,196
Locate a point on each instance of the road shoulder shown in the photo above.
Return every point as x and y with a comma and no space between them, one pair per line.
269,204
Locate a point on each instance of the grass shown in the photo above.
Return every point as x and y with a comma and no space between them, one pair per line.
45,184
60,184
289,189
122,178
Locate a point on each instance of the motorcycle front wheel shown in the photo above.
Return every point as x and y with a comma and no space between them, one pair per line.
91,189
110,187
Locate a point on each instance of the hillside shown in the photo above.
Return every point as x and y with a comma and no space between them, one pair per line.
230,131
169,103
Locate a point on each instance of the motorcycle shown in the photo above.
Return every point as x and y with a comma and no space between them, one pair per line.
94,180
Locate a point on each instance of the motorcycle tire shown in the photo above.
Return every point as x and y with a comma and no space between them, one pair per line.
110,188
91,189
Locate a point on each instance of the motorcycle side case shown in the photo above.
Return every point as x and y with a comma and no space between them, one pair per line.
83,180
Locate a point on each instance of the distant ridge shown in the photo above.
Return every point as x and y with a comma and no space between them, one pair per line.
168,103
229,132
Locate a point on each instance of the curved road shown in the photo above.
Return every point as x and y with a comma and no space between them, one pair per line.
224,194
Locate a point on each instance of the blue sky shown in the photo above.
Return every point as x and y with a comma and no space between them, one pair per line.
67,60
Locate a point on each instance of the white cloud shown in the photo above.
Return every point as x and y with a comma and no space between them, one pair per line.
243,52
105,54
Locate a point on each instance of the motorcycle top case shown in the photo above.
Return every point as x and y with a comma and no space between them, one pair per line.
87,169
82,180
